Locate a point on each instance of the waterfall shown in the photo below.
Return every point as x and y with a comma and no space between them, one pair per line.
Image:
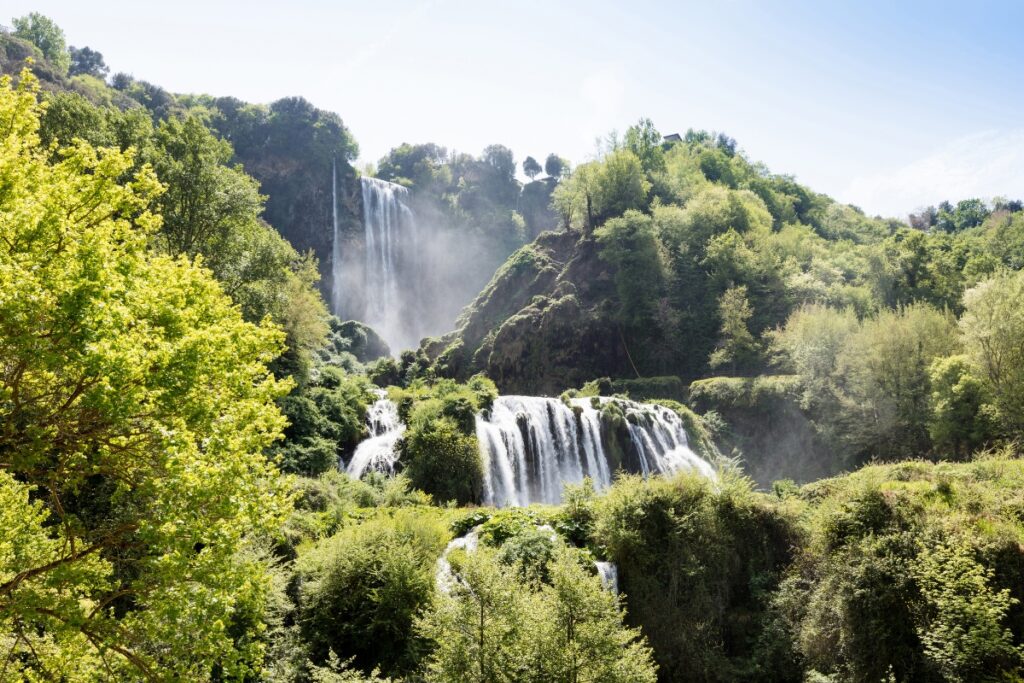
391,268
377,453
336,274
532,446
609,574
444,577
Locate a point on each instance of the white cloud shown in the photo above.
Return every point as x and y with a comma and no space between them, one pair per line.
986,165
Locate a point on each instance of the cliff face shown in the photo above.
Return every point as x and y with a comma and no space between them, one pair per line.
543,324
290,147
299,204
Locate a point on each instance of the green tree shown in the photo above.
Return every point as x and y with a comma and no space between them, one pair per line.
135,406
961,419
992,327
631,244
88,62
494,626
211,210
531,167
885,375
644,140
602,189
737,346
622,185
442,460
45,34
479,629
555,165
574,199
580,638
964,632
363,588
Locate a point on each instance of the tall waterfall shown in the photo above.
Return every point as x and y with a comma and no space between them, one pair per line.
532,446
391,266
378,453
337,257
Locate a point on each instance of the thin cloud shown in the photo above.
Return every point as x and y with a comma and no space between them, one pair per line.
985,165
399,24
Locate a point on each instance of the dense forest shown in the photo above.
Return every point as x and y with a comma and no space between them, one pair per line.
783,435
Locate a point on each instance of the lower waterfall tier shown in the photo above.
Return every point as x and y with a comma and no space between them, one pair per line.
531,447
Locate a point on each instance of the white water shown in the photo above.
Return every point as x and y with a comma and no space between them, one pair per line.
533,446
391,245
378,453
336,274
609,574
444,577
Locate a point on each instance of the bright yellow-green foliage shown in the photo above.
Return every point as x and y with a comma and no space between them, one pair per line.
495,627
135,405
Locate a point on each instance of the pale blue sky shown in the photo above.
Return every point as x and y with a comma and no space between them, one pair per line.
888,105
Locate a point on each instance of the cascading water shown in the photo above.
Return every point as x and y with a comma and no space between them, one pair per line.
378,452
391,271
336,267
533,446
609,574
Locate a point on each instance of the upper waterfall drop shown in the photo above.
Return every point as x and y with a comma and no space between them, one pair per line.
390,242
380,286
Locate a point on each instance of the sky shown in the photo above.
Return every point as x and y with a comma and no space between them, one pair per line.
888,105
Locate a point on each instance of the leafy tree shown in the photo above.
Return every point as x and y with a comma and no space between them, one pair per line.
673,541
211,210
363,588
602,189
479,629
443,461
581,637
531,167
86,61
622,185
325,420
968,213
737,345
45,34
574,198
885,369
961,419
135,405
207,201
555,165
965,631
630,243
418,166
992,327
644,140
494,626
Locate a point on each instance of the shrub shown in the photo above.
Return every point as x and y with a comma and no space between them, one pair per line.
443,461
363,588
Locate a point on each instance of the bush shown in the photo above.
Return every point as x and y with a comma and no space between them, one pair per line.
362,589
697,562
443,461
